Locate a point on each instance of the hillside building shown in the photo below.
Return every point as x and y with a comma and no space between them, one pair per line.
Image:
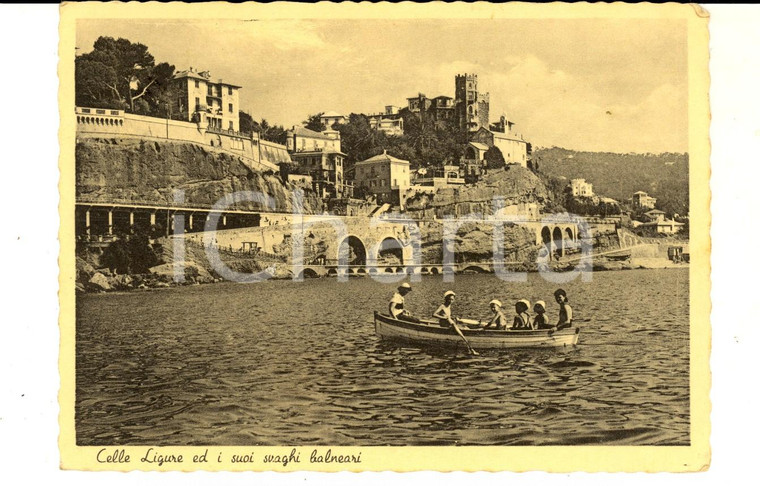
325,167
389,122
300,139
472,107
385,176
513,147
330,118
319,155
642,200
655,215
663,226
391,126
214,104
581,188
449,175
439,110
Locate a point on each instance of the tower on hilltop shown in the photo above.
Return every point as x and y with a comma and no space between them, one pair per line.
471,107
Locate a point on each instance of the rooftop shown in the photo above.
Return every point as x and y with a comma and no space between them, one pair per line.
479,146
317,152
507,136
305,132
332,114
384,157
203,76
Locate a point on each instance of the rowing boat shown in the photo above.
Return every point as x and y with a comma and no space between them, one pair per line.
431,333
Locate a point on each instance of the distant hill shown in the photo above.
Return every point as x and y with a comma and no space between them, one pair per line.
664,176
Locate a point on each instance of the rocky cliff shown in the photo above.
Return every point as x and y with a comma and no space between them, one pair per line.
148,172
515,185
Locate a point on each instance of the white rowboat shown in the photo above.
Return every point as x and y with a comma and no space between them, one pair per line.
430,333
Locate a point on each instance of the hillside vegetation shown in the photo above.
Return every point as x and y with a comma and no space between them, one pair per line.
664,176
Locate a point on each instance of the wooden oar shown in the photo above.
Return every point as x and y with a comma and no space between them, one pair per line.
458,331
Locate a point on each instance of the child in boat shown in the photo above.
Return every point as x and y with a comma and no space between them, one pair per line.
565,311
443,312
396,305
522,319
540,322
498,321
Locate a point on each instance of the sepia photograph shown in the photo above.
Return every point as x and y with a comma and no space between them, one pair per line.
384,237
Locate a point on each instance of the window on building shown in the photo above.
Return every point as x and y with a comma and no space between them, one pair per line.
210,90
197,103
229,90
197,84
232,127
229,107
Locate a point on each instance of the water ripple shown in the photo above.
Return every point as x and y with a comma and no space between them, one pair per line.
284,362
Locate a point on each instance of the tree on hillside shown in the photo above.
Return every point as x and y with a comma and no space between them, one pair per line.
273,133
664,176
246,122
313,122
423,144
165,103
120,74
357,139
421,132
494,158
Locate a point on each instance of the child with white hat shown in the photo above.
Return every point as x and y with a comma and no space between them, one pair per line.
498,321
443,312
539,322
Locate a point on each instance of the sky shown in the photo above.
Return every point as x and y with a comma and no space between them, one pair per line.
617,85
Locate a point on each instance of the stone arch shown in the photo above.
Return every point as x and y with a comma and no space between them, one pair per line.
569,239
475,269
558,243
354,251
434,271
308,273
546,239
390,252
389,270
332,272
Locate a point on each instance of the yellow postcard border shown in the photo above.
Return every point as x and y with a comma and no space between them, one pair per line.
694,457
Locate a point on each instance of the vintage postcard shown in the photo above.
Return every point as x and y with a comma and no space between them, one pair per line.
362,237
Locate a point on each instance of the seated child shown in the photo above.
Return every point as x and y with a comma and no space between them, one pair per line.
539,322
522,319
498,321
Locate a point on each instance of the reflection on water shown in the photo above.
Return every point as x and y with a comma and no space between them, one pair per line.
282,362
